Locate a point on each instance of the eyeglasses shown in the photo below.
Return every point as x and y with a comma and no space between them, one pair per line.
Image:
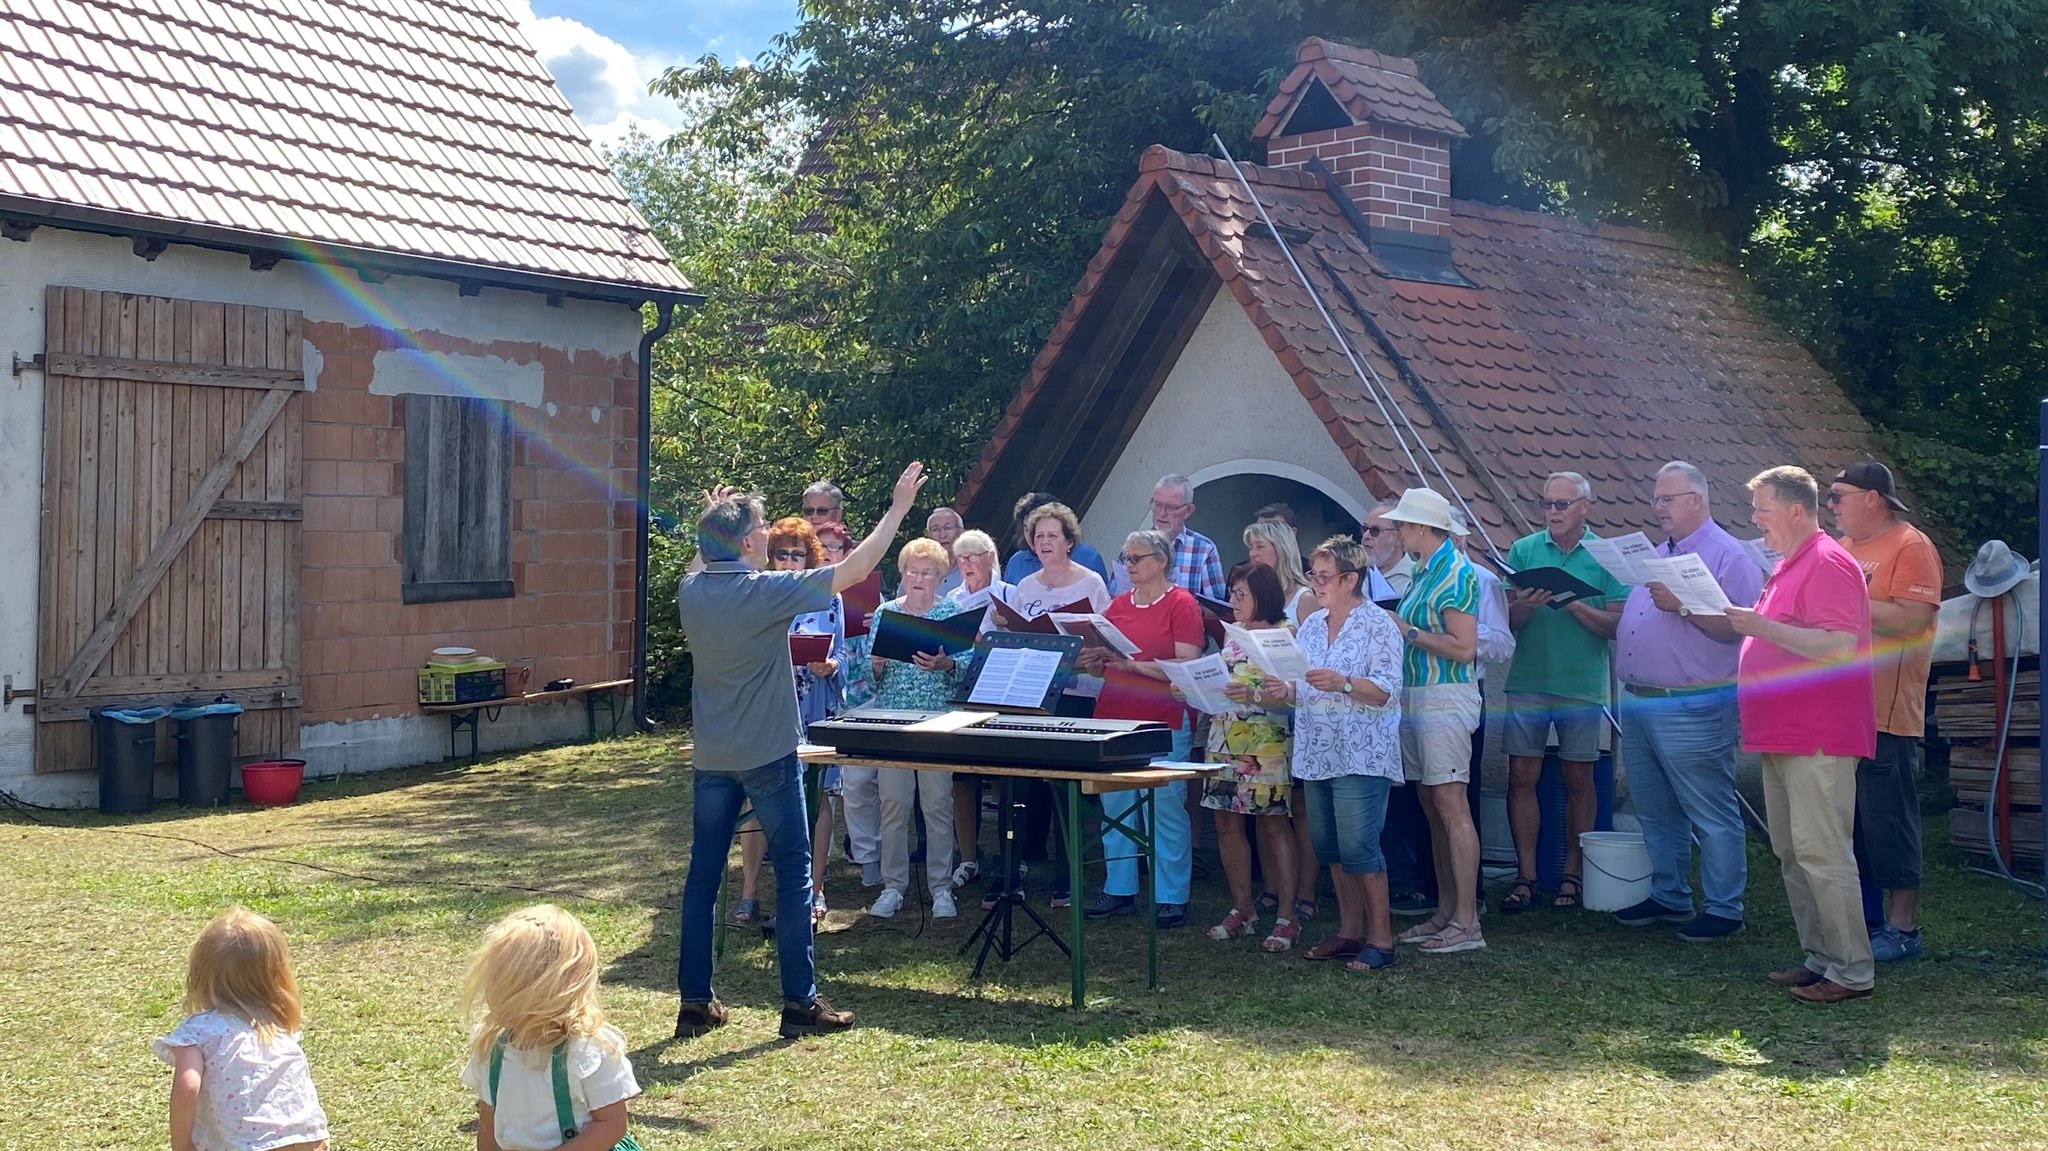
1159,507
789,555
1371,531
1665,501
810,511
1321,578
1557,505
1131,561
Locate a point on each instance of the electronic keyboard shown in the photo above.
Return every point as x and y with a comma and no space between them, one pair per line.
1008,740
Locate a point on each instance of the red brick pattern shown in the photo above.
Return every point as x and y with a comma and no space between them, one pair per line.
1399,177
572,545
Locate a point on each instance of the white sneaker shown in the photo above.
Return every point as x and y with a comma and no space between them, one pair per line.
965,874
942,905
887,904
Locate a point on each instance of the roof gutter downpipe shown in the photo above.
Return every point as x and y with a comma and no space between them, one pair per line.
665,314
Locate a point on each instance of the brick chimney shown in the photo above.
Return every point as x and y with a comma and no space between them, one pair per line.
1373,123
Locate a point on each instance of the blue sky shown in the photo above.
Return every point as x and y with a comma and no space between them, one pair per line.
603,52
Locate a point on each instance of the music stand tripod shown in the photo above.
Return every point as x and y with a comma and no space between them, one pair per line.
996,931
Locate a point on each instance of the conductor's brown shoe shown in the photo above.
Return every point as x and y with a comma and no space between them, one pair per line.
814,1018
694,1019
1800,976
1828,991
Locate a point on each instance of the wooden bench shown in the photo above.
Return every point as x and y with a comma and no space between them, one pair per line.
466,715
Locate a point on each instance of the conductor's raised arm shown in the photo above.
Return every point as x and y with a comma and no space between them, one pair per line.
863,559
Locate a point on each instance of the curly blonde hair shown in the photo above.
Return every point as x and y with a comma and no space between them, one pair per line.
923,549
239,966
792,532
533,982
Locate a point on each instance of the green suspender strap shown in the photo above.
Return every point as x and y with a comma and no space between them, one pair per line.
558,1070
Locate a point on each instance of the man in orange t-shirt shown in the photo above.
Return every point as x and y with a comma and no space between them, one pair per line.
1904,574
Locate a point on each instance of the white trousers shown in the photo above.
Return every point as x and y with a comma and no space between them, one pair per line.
861,801
933,793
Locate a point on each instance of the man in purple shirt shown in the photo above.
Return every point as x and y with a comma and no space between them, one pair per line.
1678,720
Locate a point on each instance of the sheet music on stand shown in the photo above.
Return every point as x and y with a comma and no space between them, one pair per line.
1017,677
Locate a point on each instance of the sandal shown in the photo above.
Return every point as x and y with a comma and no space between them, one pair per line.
1520,897
1373,959
1423,932
744,911
1267,904
1568,898
1304,910
1454,939
817,907
1285,932
1236,925
1334,947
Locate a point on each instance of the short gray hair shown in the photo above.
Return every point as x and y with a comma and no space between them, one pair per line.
1179,483
943,509
1585,489
829,490
1151,541
728,522
1685,471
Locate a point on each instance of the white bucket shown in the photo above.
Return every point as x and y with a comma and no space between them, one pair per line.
1617,869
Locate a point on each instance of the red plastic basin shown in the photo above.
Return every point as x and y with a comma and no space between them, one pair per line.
273,782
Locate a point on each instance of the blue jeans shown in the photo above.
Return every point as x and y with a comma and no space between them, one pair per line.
777,793
1173,843
1680,755
1345,816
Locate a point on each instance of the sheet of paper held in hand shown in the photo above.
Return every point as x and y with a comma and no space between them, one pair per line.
951,721
1688,578
1094,630
1015,677
1201,683
1272,648
1623,556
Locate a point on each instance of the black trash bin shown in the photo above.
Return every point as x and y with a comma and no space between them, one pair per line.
126,740
206,751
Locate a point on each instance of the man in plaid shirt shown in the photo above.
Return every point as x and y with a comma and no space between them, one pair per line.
1196,564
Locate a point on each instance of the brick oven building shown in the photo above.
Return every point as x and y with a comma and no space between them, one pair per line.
328,333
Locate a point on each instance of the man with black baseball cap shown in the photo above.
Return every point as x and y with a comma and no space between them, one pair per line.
1903,572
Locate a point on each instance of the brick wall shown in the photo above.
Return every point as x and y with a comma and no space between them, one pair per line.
572,534
1399,177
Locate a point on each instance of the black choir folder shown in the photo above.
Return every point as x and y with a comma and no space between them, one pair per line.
900,636
1563,586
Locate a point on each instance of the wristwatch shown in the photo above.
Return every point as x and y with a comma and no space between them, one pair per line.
1347,685
1684,611
1413,632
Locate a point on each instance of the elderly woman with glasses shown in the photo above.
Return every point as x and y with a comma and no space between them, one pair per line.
860,788
1165,623
1347,747
975,564
1440,709
794,546
928,681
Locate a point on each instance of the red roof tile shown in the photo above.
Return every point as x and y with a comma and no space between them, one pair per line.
1600,350
1370,87
422,128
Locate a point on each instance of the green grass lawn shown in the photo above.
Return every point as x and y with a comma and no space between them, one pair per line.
1568,1032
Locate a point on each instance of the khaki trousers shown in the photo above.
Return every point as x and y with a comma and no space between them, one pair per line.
1811,802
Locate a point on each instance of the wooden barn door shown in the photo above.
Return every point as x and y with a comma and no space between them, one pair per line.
170,516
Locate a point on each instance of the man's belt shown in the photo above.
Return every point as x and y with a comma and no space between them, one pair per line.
1648,692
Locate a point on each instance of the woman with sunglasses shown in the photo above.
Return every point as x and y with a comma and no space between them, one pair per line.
1253,746
794,546
1347,747
1165,622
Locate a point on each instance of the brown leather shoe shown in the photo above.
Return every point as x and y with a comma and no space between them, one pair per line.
1800,976
694,1019
814,1018
1828,991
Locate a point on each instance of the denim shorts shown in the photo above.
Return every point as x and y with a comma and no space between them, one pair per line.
1345,817
1531,715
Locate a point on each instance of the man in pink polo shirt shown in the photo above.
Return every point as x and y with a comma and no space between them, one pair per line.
1804,689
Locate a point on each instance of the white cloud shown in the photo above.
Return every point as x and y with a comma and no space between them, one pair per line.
603,81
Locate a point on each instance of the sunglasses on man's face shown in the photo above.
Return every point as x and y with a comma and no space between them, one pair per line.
819,511
1371,531
1556,505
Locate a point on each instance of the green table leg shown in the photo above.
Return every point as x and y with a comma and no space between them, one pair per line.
1075,920
1151,857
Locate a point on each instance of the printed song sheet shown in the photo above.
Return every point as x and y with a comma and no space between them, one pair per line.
1272,648
1623,556
1094,630
1201,683
1688,578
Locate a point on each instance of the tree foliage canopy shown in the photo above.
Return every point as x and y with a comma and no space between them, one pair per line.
1874,165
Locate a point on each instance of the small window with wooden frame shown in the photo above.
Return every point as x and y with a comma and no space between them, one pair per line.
458,500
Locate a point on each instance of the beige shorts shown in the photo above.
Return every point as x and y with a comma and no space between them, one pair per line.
1437,722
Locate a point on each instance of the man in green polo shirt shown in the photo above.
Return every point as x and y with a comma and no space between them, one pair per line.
1558,679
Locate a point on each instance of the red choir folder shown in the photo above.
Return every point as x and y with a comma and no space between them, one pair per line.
861,600
809,647
1010,619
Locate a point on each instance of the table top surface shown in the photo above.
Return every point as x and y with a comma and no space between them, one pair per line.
529,697
1092,782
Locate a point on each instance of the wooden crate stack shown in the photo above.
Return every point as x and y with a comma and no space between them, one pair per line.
1965,713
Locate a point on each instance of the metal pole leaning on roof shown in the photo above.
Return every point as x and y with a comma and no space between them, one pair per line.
1367,376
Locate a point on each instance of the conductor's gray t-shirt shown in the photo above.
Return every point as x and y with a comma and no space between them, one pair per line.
742,691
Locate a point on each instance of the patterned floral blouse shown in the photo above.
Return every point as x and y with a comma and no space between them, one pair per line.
818,697
1333,733
1255,742
903,685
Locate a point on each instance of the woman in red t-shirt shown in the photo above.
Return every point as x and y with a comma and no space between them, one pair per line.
1165,623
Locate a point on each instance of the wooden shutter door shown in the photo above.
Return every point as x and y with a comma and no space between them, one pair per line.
170,515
